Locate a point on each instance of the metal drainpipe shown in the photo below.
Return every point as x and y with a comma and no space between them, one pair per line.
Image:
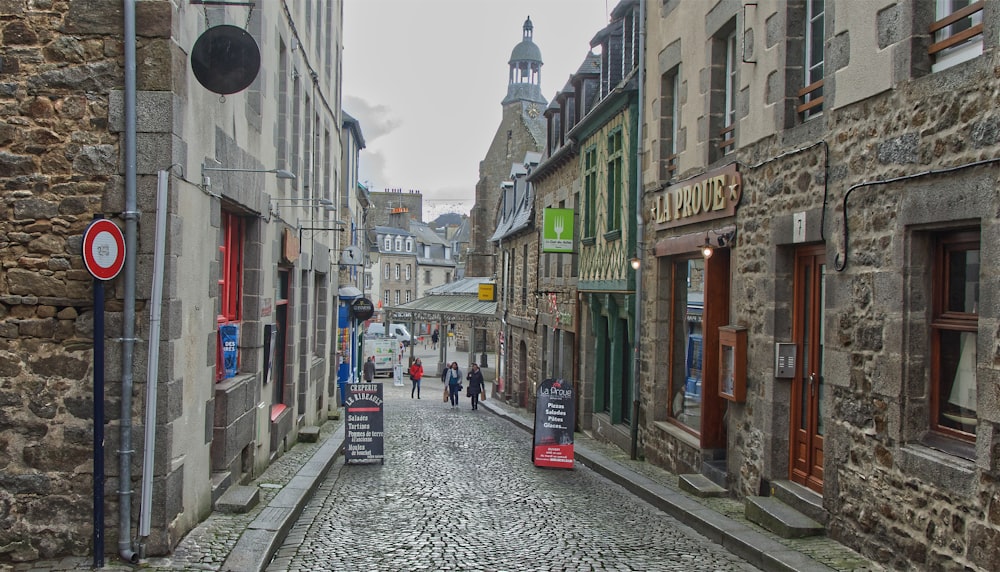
639,242
128,314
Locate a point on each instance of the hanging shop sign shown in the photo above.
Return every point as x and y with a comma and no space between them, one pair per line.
555,417
557,230
365,436
707,197
363,309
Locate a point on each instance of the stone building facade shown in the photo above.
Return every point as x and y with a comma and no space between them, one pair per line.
840,162
235,268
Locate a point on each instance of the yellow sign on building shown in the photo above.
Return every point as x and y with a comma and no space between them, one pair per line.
487,292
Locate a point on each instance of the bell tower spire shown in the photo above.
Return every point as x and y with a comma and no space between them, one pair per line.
525,79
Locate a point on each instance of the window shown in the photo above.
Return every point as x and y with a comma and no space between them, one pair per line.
524,276
727,136
368,280
957,33
811,93
407,274
447,277
388,245
954,328
385,298
408,296
590,192
399,244
397,271
387,271
688,336
409,245
427,251
615,183
427,276
397,297
231,281
670,123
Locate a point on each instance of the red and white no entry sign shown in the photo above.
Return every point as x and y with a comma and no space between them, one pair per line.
103,249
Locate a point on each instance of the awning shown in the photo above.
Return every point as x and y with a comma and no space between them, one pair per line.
349,293
453,302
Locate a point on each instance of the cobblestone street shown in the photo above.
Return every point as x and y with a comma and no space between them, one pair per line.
442,501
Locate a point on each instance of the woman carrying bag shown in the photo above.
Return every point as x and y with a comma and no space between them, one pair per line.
476,385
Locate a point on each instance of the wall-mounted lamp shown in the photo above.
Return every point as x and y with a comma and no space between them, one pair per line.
706,249
635,262
327,204
281,173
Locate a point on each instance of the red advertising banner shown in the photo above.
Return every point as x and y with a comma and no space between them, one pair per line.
555,417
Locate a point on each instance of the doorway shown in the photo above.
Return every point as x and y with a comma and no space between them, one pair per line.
807,416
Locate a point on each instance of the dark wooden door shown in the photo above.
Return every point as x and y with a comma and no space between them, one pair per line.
807,387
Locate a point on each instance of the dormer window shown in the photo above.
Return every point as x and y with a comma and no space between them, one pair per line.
409,245
399,244
387,245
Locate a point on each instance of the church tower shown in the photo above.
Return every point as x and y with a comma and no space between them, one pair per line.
522,129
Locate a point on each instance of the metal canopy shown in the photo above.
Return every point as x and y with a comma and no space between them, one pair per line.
453,302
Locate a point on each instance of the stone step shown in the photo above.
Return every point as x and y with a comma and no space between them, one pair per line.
221,481
238,499
780,518
715,471
309,434
700,486
802,499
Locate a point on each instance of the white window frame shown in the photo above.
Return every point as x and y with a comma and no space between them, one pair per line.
731,87
963,52
813,63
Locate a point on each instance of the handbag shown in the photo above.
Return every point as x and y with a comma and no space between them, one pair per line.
445,394
482,395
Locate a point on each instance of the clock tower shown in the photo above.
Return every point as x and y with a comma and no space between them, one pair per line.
521,130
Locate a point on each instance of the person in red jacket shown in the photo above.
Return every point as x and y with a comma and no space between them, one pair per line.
416,374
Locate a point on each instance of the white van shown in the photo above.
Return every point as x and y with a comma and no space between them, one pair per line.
397,331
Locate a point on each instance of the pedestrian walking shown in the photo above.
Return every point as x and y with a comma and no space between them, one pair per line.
416,374
368,371
434,339
453,379
476,385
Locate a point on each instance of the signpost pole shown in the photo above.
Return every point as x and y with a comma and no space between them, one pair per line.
98,423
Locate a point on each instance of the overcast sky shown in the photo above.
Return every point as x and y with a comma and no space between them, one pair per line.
425,79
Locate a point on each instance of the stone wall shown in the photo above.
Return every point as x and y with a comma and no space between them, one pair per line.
58,163
889,495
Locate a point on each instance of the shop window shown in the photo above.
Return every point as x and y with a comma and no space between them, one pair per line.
954,327
689,348
956,34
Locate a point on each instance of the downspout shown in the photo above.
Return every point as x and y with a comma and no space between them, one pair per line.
640,228
128,313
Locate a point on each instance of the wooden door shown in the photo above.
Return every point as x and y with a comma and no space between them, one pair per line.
807,418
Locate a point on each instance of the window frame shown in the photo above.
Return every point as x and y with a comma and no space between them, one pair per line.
231,268
811,94
950,49
590,172
615,165
945,320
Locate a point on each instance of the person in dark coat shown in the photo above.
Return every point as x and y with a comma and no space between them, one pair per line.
476,385
368,371
434,339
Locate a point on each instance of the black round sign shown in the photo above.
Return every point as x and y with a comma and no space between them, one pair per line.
362,308
225,59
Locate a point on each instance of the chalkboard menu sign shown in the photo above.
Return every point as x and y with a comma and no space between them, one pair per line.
555,417
365,437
